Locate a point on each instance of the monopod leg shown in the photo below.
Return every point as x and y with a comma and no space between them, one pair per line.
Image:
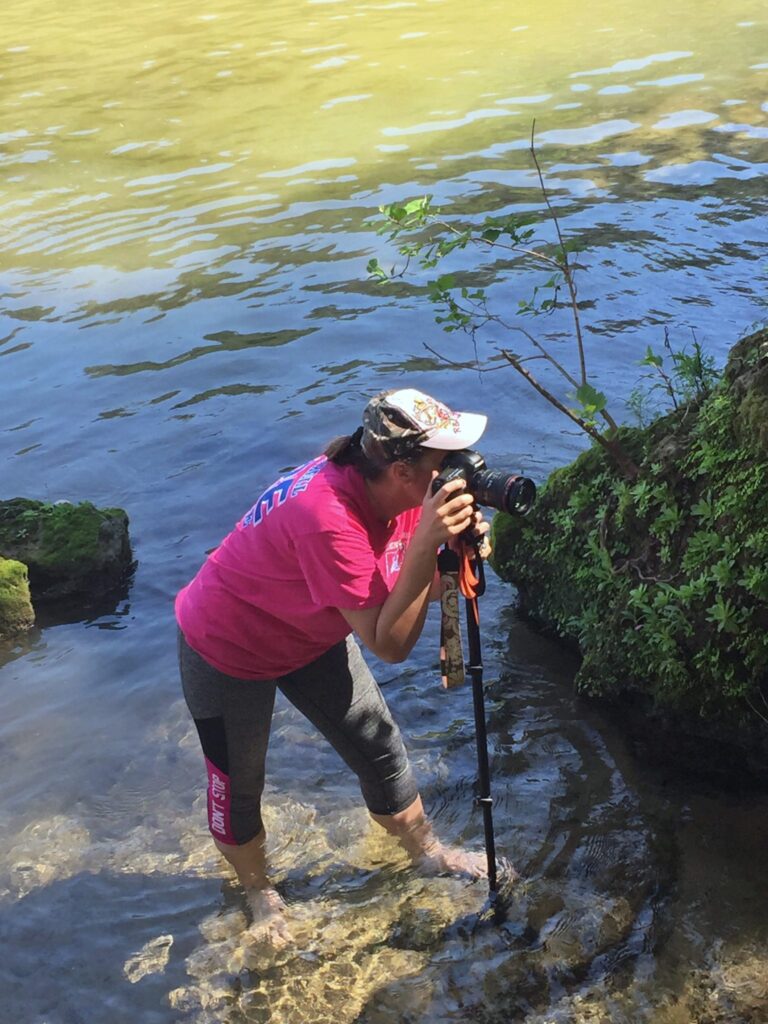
475,668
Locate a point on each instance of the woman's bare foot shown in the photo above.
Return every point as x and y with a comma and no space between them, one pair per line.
268,918
415,834
438,859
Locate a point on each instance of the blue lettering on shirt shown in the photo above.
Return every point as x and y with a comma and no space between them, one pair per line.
278,492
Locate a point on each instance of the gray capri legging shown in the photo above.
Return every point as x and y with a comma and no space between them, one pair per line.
336,693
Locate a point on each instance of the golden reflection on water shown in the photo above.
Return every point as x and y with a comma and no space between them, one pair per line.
166,137
133,133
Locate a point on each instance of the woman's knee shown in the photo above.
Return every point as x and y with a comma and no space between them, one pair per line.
389,793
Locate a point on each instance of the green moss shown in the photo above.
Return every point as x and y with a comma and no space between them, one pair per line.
66,534
67,548
753,413
70,534
16,612
661,581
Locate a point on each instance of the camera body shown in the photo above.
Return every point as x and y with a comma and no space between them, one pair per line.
492,487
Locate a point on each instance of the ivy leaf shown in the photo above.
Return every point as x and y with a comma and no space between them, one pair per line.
592,402
420,207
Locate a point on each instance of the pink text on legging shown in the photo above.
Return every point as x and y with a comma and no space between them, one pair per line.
219,819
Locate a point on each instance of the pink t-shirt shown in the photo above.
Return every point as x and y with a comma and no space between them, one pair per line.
266,601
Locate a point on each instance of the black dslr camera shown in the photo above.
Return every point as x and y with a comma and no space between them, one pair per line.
493,487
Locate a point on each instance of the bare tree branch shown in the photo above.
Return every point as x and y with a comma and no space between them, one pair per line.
614,449
566,267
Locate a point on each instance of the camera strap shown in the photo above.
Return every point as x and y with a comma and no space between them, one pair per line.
451,653
458,575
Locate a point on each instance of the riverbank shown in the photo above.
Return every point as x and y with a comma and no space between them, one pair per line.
662,582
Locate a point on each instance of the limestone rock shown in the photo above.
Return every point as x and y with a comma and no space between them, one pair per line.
16,611
662,580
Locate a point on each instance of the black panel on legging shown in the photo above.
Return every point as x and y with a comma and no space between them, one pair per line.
213,739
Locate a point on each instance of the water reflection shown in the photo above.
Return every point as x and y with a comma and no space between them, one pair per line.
183,303
231,341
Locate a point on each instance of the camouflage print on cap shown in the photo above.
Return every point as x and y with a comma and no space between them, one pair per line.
388,435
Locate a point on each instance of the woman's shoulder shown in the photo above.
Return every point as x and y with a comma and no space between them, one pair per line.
332,501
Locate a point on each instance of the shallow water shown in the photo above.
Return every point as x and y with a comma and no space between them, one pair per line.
184,310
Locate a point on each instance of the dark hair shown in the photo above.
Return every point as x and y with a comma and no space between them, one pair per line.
347,451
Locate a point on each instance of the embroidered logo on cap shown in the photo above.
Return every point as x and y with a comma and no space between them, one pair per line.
431,413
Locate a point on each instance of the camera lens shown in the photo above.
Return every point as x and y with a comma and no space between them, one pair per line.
504,491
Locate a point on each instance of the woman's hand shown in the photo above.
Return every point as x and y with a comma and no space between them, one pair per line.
446,514
480,531
449,513
480,528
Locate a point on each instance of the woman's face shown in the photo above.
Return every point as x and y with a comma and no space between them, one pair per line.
416,477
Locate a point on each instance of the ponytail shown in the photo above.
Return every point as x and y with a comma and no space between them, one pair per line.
347,451
342,449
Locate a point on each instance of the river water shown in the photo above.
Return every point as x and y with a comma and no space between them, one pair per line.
184,310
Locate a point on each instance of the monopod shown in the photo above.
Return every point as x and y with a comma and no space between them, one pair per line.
466,574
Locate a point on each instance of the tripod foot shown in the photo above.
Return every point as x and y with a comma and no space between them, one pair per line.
500,898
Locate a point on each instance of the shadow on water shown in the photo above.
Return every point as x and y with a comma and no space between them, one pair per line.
103,612
98,946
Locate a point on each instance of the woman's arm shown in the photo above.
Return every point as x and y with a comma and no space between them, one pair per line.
391,629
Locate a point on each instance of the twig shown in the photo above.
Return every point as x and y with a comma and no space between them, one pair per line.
670,387
759,713
615,450
566,268
521,250
451,362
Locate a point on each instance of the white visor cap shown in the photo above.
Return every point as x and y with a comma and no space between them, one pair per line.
445,429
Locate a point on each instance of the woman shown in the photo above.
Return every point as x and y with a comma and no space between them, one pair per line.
345,543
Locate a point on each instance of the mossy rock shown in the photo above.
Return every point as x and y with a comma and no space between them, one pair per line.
70,550
662,581
747,376
16,611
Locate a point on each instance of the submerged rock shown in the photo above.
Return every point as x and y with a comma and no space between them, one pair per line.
71,551
16,611
662,581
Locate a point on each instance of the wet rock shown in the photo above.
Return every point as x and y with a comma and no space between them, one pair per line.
152,958
418,928
745,987
16,611
733,990
48,849
71,551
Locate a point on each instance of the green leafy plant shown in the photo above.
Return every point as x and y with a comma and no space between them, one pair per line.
423,233
682,376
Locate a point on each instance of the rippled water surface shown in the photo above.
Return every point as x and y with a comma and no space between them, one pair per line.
184,310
